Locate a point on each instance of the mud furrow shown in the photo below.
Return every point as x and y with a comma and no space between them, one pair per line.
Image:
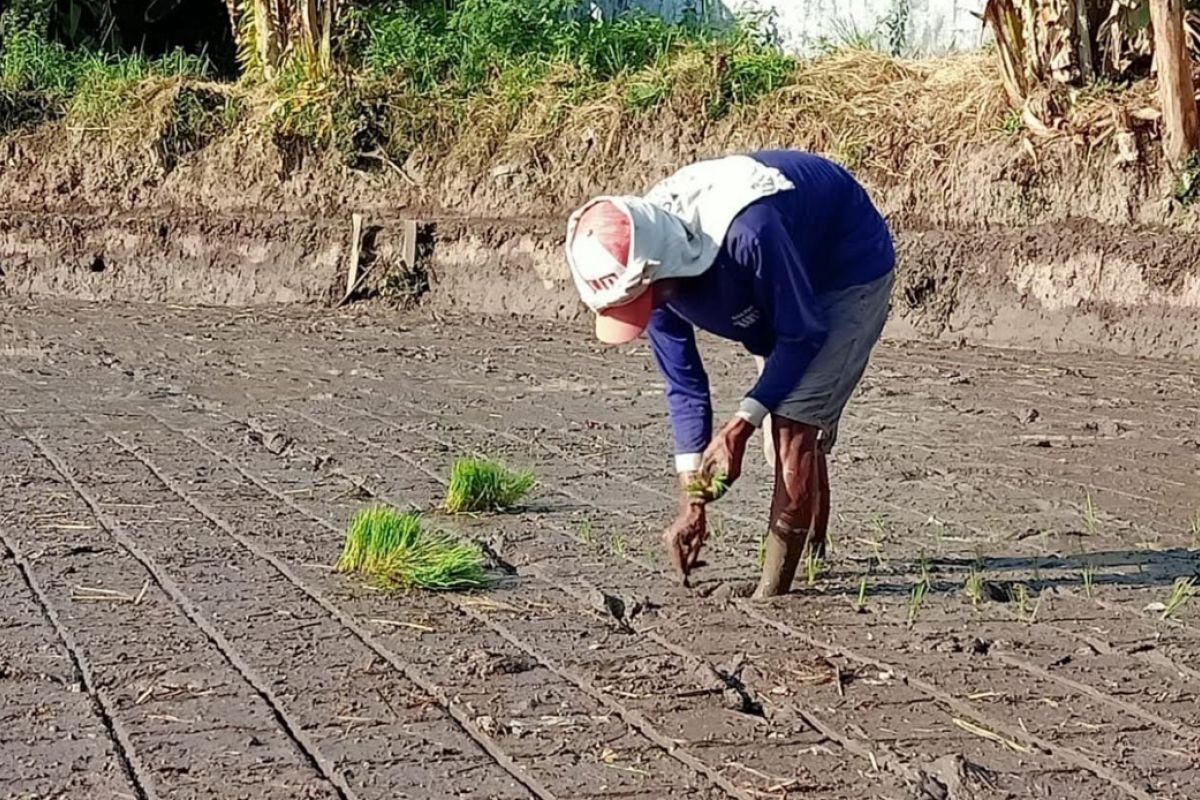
1072,756
139,779
635,719
410,672
998,726
956,443
899,445
1124,702
1123,706
299,738
417,465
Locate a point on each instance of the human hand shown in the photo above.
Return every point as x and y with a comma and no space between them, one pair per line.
684,538
723,456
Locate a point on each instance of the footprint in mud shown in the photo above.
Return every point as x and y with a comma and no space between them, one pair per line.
728,590
484,664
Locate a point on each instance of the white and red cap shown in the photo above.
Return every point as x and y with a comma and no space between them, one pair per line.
617,247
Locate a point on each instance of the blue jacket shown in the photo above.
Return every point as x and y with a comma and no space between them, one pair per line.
779,253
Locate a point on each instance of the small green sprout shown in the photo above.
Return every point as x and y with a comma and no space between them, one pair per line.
973,587
718,527
924,561
618,544
915,600
1091,514
1194,524
584,530
861,602
1020,593
1183,591
812,566
1089,580
876,553
879,524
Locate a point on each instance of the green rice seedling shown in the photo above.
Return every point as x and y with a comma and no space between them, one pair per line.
1021,594
394,549
1091,515
924,561
584,530
861,602
708,489
915,600
480,484
618,544
812,566
877,552
374,533
1183,591
1194,524
434,560
718,527
973,587
1089,580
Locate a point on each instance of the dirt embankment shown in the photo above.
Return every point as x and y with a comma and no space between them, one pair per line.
1056,247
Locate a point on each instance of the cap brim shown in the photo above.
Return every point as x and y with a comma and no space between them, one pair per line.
623,324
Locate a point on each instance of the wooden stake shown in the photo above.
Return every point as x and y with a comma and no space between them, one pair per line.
356,221
1181,125
410,244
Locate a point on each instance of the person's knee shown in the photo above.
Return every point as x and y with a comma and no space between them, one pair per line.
793,516
793,438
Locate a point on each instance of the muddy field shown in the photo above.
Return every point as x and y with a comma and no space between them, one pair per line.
175,483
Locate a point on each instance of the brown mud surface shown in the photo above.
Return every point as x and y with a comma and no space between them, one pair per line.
175,482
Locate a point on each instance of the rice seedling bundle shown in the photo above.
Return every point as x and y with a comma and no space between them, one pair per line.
480,484
395,550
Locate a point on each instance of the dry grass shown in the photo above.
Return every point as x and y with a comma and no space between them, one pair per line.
893,118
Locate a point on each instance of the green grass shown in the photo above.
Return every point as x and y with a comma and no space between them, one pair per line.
861,602
1194,527
584,530
1088,574
92,87
395,550
618,544
480,484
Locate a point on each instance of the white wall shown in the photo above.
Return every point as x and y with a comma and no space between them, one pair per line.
932,26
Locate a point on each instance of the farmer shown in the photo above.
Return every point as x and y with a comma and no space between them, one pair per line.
781,251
